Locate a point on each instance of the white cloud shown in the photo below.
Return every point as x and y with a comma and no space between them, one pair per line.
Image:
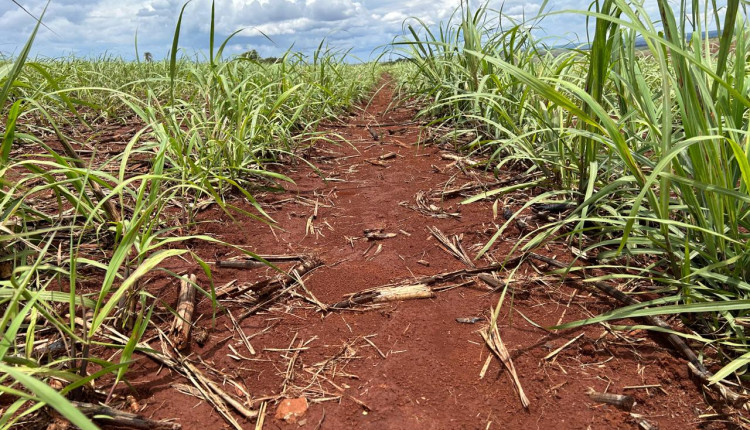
92,27
331,10
394,16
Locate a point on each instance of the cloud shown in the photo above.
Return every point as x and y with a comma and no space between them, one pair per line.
93,27
331,10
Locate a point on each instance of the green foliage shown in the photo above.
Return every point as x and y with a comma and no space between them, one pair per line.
207,132
650,143
251,55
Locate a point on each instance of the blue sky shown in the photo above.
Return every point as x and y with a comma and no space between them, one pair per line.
94,27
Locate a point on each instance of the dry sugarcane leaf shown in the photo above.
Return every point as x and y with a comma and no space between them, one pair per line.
496,345
210,390
472,187
458,159
452,246
426,208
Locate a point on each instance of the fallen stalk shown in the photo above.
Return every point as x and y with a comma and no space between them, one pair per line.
419,288
269,291
268,286
498,285
449,276
373,133
252,264
622,401
387,294
183,321
115,418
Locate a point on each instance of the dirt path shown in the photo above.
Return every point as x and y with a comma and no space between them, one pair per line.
409,364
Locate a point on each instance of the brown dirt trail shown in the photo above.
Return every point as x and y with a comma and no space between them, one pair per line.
408,364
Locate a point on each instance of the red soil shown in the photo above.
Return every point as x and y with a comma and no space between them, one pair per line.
408,364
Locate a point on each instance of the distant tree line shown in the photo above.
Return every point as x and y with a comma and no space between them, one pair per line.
397,60
254,56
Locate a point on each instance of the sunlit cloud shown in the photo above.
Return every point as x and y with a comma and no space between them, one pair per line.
96,27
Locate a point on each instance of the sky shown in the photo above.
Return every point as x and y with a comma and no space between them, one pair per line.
92,28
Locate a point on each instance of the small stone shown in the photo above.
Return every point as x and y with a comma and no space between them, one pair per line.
588,349
200,335
6,269
291,409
